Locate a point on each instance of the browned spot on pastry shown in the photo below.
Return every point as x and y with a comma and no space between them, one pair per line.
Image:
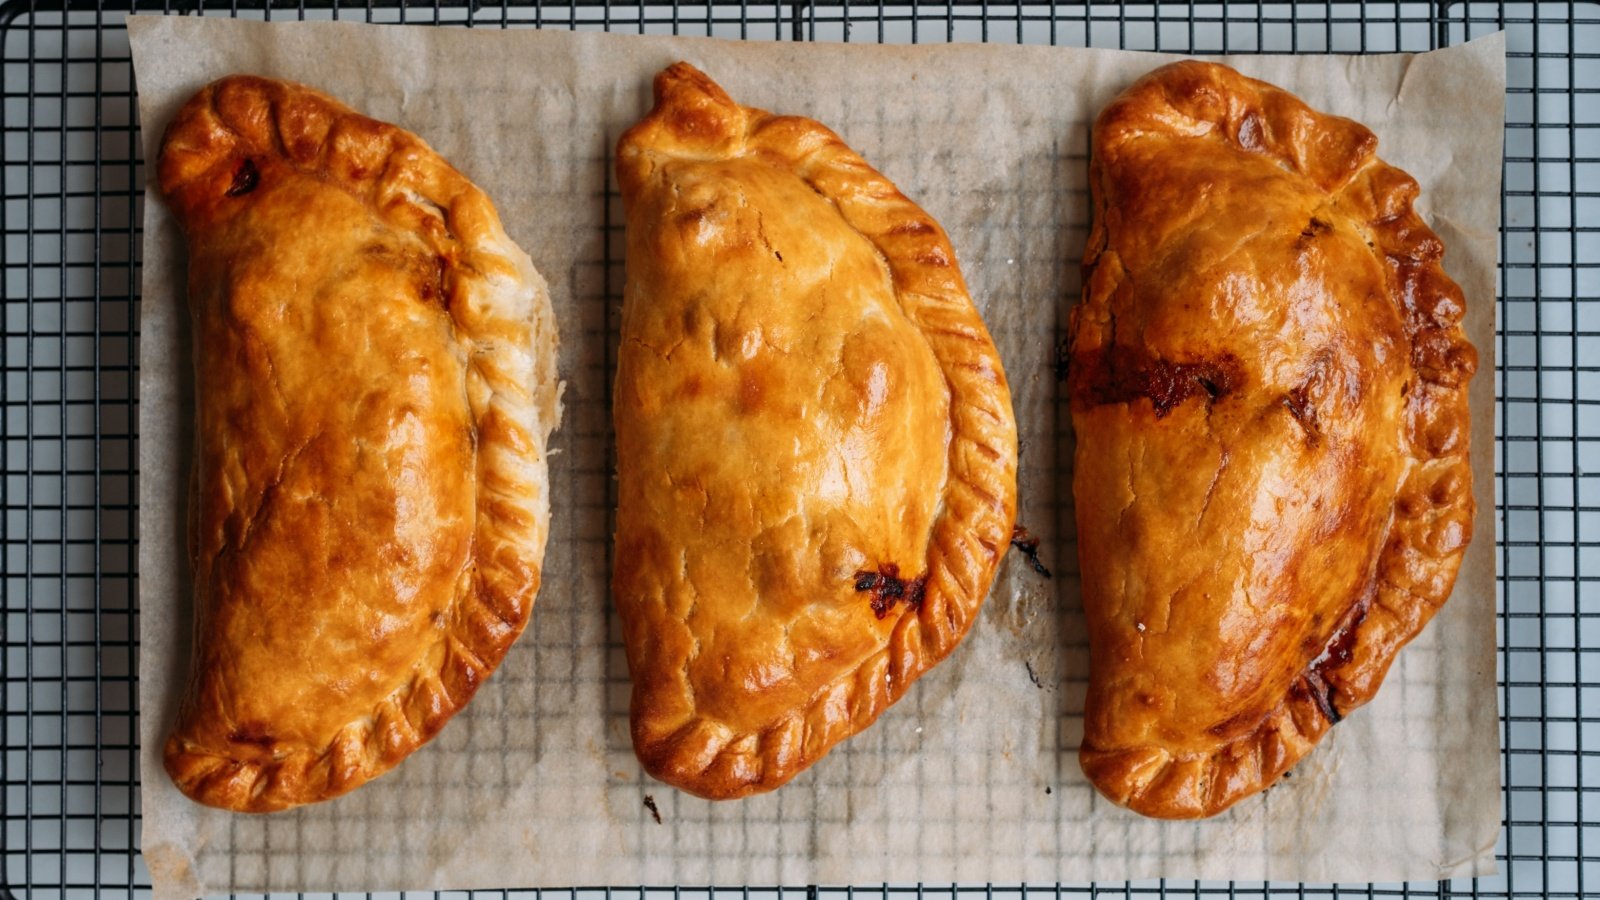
1123,375
245,179
888,588
1443,492
752,388
650,804
431,283
1406,507
1299,405
252,733
427,270
1028,546
935,257
691,218
913,226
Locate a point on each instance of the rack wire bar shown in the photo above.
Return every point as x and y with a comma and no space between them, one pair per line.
71,178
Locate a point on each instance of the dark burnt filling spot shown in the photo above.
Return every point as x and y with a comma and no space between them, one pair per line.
1299,405
245,179
1342,647
1028,546
1123,375
1322,693
888,588
1339,650
650,804
1315,227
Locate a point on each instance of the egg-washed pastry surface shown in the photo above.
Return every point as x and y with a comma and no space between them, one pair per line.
1268,383
816,453
374,385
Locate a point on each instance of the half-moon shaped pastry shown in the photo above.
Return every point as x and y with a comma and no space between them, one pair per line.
1268,382
374,382
816,454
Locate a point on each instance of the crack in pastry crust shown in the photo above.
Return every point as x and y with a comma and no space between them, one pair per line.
751,651
1232,222
375,364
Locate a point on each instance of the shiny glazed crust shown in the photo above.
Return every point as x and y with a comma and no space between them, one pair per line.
375,384
816,449
1269,392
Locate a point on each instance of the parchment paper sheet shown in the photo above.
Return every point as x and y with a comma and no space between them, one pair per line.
973,776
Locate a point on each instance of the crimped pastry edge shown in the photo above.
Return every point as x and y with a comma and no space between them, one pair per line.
1428,536
500,292
704,756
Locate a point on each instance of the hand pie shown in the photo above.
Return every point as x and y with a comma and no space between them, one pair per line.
816,455
1269,391
375,382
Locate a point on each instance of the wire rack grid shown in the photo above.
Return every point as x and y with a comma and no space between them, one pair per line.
72,177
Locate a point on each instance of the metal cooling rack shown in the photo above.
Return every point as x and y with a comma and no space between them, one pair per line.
72,176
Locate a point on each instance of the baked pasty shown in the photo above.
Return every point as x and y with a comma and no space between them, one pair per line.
375,383
816,455
1268,381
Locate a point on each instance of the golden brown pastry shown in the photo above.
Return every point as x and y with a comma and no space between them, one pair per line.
375,382
1269,390
816,455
